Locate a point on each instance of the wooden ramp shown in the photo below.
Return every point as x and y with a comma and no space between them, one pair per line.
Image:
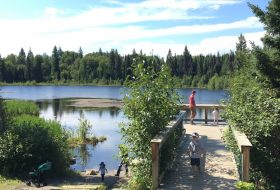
220,170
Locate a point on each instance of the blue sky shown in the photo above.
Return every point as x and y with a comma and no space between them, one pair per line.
155,26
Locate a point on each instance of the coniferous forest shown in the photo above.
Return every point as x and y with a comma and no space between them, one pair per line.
111,68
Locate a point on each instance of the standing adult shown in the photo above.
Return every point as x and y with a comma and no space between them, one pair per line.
192,106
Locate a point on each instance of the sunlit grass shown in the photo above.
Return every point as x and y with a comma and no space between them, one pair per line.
6,184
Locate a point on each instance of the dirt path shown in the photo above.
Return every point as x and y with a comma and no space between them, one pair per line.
110,181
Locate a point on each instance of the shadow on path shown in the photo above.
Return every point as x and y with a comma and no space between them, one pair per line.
219,170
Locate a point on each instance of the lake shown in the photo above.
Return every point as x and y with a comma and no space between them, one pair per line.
52,101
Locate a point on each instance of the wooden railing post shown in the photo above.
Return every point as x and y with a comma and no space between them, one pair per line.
155,164
245,162
244,146
206,115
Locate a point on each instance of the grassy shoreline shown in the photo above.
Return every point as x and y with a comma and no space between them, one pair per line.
32,83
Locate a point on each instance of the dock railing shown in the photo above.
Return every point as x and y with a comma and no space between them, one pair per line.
244,146
162,148
206,107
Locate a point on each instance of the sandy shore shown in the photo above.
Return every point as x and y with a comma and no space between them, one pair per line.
96,103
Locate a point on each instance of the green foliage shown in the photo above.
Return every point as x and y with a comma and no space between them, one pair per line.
231,144
110,68
169,149
244,186
82,135
3,116
149,104
84,127
217,82
254,107
30,141
19,107
267,59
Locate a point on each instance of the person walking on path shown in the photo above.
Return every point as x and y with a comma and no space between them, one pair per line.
192,106
216,116
196,149
102,170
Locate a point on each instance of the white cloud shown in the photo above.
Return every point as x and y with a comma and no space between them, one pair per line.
98,27
42,35
215,7
52,12
222,44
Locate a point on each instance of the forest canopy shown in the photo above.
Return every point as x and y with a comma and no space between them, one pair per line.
111,68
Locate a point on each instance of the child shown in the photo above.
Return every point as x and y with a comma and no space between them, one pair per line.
102,170
195,150
216,116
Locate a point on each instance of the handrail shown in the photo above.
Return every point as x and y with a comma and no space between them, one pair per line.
203,106
156,144
244,146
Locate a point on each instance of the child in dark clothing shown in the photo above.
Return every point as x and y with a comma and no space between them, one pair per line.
102,170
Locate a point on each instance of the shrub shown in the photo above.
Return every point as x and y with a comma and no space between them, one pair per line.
150,104
84,127
31,141
3,116
231,144
244,186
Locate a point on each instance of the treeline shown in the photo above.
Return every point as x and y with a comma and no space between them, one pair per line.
108,68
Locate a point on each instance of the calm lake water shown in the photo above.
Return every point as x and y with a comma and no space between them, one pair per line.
53,105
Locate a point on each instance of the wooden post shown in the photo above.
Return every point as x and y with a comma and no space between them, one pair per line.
155,165
245,162
206,115
244,146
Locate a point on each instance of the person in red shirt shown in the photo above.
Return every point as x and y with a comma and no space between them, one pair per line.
192,106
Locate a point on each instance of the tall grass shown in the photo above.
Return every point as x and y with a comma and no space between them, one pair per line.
19,107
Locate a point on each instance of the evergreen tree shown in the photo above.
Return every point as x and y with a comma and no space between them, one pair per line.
10,68
112,60
55,64
241,52
21,57
268,59
46,68
37,69
80,52
29,64
187,61
21,66
170,62
100,51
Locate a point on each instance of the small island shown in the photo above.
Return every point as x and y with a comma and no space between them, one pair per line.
96,103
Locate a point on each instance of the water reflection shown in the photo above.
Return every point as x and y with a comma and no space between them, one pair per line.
84,155
53,102
105,123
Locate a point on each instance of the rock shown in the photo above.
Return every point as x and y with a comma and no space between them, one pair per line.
91,172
